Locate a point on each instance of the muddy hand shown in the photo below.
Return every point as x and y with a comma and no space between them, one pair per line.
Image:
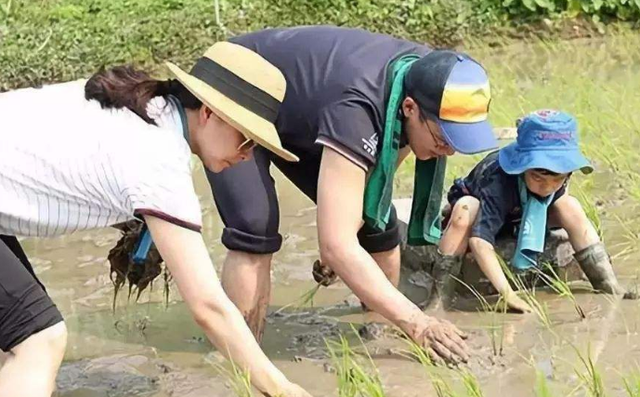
292,390
443,341
516,304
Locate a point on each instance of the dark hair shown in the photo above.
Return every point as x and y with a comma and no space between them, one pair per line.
126,87
545,171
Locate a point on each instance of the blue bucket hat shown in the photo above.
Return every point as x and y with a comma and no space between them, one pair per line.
547,139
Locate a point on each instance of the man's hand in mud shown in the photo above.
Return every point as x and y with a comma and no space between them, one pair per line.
292,390
442,340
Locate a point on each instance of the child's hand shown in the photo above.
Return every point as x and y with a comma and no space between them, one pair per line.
516,304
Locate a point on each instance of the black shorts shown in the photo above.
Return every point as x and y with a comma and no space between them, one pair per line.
25,307
245,196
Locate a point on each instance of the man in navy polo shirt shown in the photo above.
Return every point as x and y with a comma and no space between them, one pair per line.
336,113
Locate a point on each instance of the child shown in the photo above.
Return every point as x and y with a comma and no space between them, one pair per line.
524,183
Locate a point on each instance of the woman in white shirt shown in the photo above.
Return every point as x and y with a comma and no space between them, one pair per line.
95,153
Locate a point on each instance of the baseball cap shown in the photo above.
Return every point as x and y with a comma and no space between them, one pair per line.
454,88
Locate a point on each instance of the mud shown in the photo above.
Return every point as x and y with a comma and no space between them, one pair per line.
135,375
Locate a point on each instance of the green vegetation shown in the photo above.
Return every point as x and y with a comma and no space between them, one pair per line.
43,41
356,377
551,278
238,378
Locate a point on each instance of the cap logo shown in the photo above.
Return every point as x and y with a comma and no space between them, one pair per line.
555,135
465,103
545,113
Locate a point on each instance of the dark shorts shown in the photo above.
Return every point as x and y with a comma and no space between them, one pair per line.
245,196
25,307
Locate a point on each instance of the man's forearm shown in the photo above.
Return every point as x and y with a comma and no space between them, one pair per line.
362,275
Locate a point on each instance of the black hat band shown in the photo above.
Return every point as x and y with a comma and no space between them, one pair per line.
238,90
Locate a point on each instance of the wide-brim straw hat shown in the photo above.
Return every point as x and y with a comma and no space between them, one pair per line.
242,88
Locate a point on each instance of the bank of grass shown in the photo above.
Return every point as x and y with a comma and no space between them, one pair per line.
43,41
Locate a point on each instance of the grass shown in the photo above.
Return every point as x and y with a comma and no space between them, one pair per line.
631,384
542,385
590,375
528,294
560,287
238,378
355,377
302,301
441,385
497,345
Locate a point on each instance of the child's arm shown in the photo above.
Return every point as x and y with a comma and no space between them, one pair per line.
485,255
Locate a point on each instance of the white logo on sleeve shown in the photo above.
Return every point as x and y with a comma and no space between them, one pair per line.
371,144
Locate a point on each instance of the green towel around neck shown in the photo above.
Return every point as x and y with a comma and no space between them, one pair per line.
533,228
425,222
424,225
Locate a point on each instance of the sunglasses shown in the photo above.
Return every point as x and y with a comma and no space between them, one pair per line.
247,146
437,137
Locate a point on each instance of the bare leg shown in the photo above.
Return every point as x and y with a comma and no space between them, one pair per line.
31,367
567,213
590,252
246,278
455,240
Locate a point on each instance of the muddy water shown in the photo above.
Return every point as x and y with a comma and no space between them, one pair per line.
147,349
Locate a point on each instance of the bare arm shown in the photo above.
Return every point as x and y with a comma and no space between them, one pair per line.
485,255
340,199
187,258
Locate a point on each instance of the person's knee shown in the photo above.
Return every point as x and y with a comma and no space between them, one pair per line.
256,239
464,213
569,212
248,258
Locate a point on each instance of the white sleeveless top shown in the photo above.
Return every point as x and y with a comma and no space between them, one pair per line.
66,164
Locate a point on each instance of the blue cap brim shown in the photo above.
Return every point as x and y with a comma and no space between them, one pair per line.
515,161
469,138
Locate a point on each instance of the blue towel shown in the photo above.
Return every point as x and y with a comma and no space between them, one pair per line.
533,228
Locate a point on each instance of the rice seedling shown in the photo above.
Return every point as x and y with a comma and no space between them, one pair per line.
588,205
353,378
440,385
542,386
528,295
590,376
471,384
560,287
442,388
631,236
500,306
238,378
302,301
631,384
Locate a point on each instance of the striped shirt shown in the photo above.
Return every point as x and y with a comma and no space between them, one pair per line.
66,164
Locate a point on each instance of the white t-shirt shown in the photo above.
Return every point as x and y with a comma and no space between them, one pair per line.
66,164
